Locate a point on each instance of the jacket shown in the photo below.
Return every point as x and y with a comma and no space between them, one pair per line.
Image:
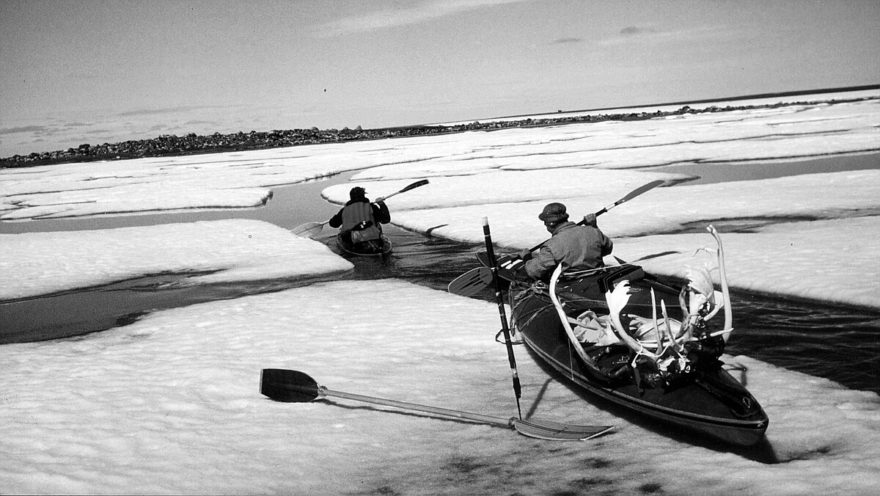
361,214
577,247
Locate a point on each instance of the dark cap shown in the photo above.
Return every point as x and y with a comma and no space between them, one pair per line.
553,213
357,192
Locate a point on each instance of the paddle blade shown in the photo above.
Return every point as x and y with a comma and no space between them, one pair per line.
308,229
414,185
642,189
471,282
289,386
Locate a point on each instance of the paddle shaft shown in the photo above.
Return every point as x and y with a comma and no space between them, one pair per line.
293,386
517,387
312,228
475,417
632,194
531,428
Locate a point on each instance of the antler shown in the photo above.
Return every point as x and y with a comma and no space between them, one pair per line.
725,290
617,300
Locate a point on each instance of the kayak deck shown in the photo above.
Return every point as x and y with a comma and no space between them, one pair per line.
705,398
382,247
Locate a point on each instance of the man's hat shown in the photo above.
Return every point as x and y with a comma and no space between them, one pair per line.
553,213
357,192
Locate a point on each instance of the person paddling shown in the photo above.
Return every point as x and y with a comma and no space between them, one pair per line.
578,247
360,221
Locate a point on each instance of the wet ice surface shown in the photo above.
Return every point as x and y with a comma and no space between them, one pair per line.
169,404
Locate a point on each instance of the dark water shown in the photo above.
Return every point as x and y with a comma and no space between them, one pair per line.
842,344
839,343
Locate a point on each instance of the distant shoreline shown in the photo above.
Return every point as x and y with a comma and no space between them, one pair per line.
192,144
727,99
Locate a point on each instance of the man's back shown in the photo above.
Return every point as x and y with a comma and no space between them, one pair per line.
576,246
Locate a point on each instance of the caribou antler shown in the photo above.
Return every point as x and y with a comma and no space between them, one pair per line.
725,290
617,300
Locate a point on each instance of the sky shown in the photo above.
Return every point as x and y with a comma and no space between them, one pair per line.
170,404
107,71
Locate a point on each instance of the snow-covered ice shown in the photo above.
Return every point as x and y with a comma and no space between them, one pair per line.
244,179
211,252
838,253
170,404
507,175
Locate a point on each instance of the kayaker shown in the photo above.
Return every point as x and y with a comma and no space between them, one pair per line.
360,221
578,247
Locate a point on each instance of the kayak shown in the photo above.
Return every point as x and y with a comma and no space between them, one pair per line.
612,332
379,248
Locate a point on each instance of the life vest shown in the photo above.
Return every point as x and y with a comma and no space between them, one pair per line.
356,214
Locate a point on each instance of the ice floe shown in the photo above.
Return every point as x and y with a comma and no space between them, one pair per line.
171,405
212,252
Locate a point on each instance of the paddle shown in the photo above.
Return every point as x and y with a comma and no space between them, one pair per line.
311,229
632,194
629,196
475,280
471,282
297,387
499,298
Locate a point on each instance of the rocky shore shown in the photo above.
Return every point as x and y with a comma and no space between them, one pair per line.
192,143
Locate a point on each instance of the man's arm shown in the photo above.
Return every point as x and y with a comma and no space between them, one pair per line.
607,244
381,212
336,220
541,263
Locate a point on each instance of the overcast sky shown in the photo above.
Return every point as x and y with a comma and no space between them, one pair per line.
103,71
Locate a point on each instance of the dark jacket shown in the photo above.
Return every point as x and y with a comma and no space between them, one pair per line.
360,214
577,247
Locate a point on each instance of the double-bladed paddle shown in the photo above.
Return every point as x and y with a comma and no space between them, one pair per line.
471,282
311,229
475,280
297,387
629,196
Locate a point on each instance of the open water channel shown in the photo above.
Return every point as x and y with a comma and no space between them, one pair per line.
836,342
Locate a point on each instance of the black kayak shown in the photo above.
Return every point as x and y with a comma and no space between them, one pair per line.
376,248
621,341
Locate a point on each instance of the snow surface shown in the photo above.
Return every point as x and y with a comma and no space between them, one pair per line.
838,255
508,175
220,251
170,404
244,179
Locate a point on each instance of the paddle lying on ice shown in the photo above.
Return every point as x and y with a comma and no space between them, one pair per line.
311,229
297,387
